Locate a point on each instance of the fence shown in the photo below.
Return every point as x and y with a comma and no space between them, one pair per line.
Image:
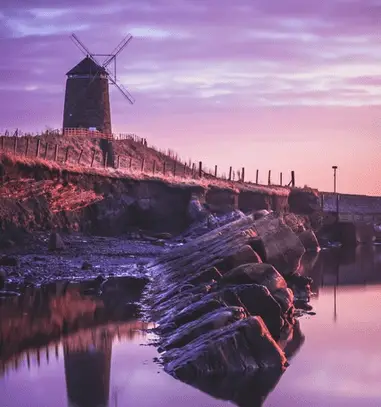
167,164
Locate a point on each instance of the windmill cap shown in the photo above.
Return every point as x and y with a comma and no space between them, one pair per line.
87,67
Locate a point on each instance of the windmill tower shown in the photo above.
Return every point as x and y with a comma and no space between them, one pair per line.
87,100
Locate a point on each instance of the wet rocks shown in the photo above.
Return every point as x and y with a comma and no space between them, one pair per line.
244,346
309,241
9,261
207,323
86,266
283,249
56,242
263,274
243,255
2,279
224,298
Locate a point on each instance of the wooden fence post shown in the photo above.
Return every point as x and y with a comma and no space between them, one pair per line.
38,148
67,153
185,171
174,168
26,146
200,169
56,152
46,150
80,156
130,165
230,173
14,145
93,158
154,167
243,174
293,179
281,179
164,165
193,169
142,167
257,177
269,178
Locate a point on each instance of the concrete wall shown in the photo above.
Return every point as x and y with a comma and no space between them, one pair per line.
351,203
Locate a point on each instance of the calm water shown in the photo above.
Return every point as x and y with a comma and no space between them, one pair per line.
60,347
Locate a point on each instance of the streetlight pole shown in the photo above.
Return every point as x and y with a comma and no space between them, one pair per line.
334,167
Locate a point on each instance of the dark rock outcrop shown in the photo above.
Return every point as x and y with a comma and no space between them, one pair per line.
2,279
56,242
244,346
214,320
9,261
309,241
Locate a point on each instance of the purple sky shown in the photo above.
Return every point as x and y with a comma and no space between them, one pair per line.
281,85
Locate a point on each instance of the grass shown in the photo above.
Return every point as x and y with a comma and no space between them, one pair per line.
128,150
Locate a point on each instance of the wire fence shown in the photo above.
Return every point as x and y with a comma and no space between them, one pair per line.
168,162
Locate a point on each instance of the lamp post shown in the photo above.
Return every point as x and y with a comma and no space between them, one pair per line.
334,167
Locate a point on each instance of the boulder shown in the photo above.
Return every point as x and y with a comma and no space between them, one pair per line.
196,212
243,255
261,273
9,261
205,276
300,286
56,242
261,214
309,241
256,300
86,266
283,249
214,320
244,346
190,313
2,279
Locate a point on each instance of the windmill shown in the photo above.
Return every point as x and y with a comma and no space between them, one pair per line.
87,100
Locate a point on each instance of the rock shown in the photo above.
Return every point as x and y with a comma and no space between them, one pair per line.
205,276
262,274
9,261
243,255
207,323
309,241
196,212
283,249
163,235
86,266
244,346
285,298
261,214
190,313
2,279
56,242
300,286
256,300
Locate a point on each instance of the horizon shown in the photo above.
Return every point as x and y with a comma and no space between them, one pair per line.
267,86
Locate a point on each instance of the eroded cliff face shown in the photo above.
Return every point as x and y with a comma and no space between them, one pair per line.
38,197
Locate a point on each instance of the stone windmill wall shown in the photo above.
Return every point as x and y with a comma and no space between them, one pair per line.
87,100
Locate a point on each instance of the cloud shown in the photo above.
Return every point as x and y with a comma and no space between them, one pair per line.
247,64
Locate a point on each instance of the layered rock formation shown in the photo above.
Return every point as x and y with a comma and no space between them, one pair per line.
223,302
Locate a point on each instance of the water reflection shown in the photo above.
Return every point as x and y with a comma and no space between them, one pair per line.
63,320
69,347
